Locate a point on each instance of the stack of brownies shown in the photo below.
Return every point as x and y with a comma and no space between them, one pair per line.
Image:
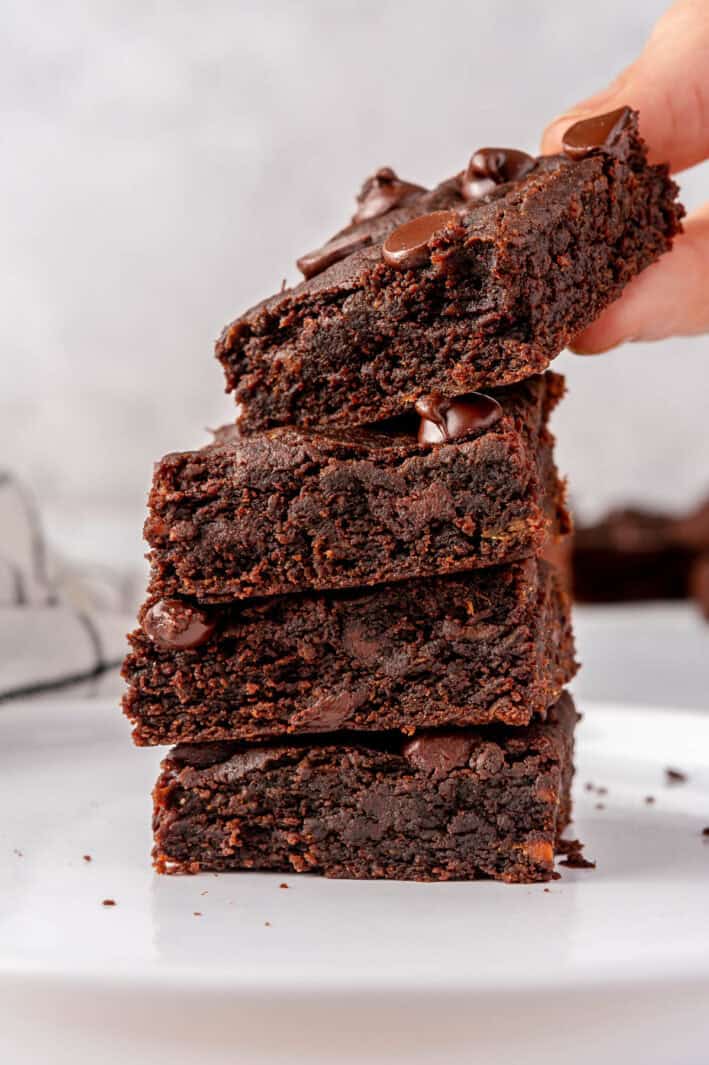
351,633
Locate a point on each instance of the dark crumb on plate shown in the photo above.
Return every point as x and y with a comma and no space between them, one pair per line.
675,776
267,924
547,891
600,806
86,857
588,786
283,885
18,852
573,849
108,902
197,913
705,831
649,799
601,791
204,892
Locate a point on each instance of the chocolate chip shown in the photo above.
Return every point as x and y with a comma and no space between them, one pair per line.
489,167
590,134
382,192
339,248
444,419
176,625
438,753
407,245
327,713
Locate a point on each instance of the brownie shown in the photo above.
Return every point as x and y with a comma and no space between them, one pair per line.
636,553
504,264
491,645
699,584
292,509
442,806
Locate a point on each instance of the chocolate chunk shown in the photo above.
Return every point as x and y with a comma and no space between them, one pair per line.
382,192
407,245
590,134
438,754
174,624
314,262
329,712
444,419
489,167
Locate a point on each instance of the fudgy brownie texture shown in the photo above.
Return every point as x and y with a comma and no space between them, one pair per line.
292,509
515,257
639,554
442,806
491,645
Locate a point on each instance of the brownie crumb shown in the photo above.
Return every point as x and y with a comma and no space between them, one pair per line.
86,857
573,849
588,786
649,799
283,885
108,902
547,891
267,924
18,852
601,791
600,806
705,831
197,913
675,776
204,892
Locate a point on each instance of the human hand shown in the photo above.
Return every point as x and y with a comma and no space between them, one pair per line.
669,86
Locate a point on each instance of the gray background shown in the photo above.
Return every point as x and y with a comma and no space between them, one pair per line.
164,164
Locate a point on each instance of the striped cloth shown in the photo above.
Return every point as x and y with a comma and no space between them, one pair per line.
59,624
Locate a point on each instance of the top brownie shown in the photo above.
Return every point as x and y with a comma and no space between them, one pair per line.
477,283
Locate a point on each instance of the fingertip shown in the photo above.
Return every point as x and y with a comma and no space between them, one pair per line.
586,346
551,137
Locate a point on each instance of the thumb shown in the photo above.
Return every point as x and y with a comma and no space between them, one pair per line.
668,84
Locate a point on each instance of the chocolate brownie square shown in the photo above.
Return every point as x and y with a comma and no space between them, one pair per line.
493,645
476,284
465,485
451,805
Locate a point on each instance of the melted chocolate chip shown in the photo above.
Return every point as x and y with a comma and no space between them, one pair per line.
382,192
176,625
314,262
445,419
490,167
407,245
438,754
590,134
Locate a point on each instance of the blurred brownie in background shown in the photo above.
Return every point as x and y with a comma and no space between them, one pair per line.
636,554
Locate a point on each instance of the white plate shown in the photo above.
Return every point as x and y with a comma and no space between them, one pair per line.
602,960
